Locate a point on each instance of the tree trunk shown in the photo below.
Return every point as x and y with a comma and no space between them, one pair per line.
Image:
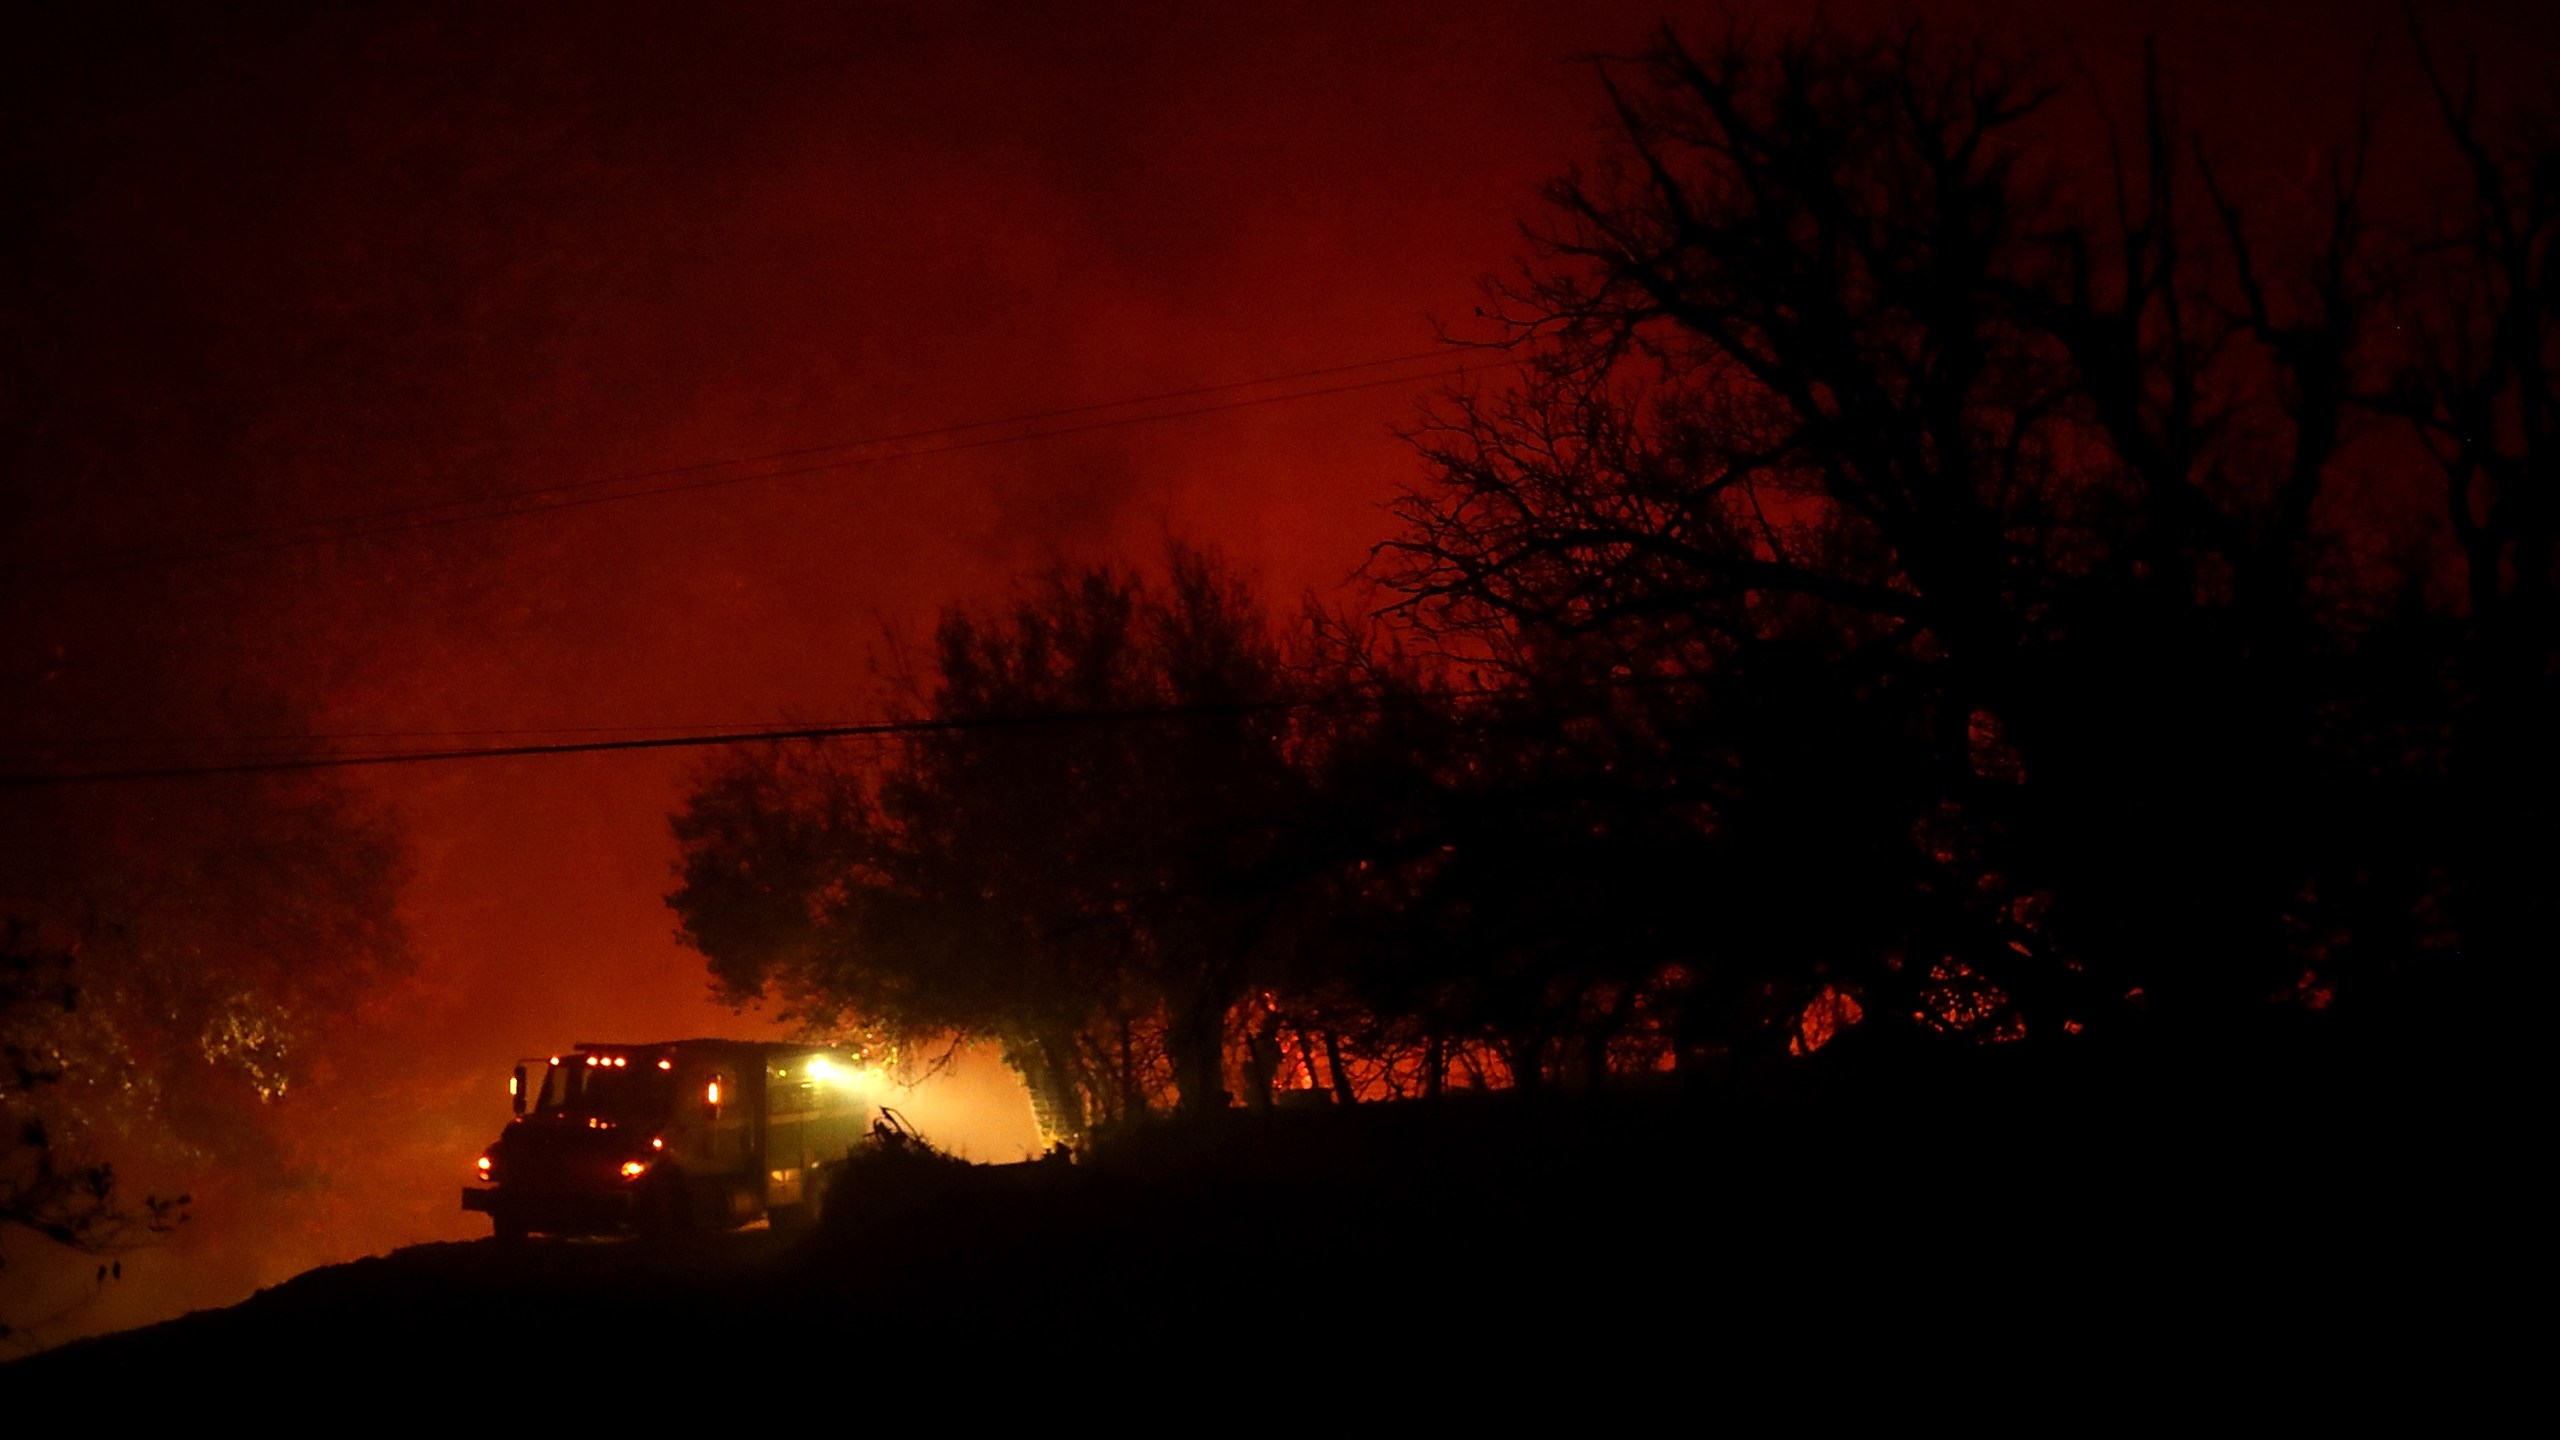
1342,1092
1196,1040
1262,1061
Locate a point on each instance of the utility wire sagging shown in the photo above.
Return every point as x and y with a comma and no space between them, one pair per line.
274,764
511,503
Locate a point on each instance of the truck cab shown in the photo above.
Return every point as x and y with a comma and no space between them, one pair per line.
669,1137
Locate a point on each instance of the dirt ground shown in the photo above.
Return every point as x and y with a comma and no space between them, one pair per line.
2111,1238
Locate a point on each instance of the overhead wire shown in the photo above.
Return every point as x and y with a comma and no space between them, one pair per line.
529,500
241,758
26,748
307,737
696,740
771,735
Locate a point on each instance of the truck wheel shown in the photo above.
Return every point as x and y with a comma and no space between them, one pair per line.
791,1221
821,1179
663,1212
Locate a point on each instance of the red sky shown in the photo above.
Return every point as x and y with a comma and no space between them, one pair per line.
321,264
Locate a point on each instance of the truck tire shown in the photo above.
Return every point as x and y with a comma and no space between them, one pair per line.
664,1214
792,1221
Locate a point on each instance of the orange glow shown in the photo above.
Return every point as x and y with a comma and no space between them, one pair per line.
512,934
484,1167
536,904
1824,1017
1961,1000
631,1169
657,1142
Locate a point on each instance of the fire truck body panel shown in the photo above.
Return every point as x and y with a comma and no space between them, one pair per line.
673,1135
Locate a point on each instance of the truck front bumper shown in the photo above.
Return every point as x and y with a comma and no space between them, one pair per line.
549,1212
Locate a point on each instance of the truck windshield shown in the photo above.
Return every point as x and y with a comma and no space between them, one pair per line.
577,1089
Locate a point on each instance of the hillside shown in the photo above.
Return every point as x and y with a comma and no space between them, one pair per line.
2100,1227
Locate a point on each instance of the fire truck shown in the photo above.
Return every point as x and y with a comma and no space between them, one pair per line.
670,1137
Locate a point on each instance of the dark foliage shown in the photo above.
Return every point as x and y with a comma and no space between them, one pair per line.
67,1200
1997,526
1917,593
1093,894
1505,1251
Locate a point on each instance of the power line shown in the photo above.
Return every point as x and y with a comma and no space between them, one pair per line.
666,742
402,519
897,437
724,481
773,735
192,750
306,737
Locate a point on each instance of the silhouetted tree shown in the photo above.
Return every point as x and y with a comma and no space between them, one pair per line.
2479,384
63,1200
1984,518
69,1200
1081,865
1910,580
226,937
